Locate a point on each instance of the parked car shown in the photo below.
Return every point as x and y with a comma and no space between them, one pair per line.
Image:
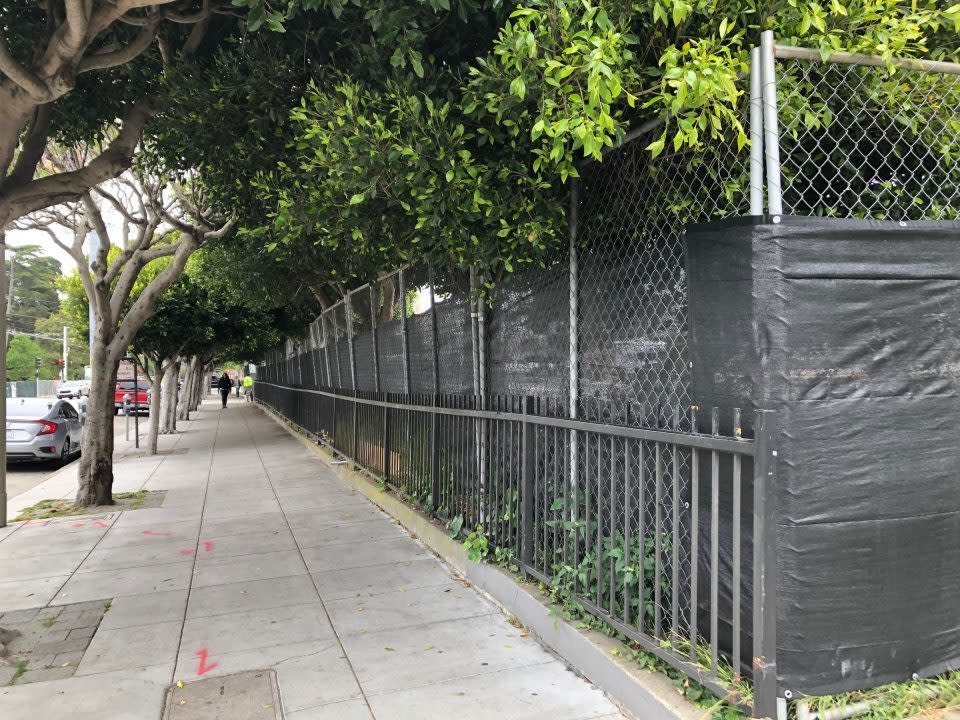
73,389
41,429
125,389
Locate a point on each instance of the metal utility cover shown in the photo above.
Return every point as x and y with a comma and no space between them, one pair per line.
251,695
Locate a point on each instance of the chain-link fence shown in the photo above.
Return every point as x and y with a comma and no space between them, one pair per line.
601,336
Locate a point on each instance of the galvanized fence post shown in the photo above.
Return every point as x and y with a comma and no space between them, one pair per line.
771,129
314,346
765,690
348,316
336,348
756,133
355,438
386,442
403,333
434,335
527,482
574,346
326,347
482,397
375,337
435,455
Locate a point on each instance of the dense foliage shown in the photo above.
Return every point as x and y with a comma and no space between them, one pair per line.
381,131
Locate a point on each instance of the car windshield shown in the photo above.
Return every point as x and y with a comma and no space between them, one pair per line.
32,408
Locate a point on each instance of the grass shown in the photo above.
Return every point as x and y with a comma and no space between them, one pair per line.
21,667
137,497
48,623
46,509
897,701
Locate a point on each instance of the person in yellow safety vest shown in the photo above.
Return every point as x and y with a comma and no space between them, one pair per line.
248,387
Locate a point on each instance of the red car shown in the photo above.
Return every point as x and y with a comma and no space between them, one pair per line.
125,389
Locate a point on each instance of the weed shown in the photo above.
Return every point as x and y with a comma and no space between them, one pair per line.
137,497
48,623
477,545
21,668
46,509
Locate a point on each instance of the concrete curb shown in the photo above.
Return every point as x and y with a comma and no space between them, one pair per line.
643,694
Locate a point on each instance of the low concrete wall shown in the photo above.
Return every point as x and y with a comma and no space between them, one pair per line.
643,694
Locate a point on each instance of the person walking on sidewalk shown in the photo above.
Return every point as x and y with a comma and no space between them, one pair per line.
248,387
223,385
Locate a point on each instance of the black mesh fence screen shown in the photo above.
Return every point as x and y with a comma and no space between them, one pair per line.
420,339
528,335
390,356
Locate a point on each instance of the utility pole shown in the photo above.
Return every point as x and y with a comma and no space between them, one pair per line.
66,349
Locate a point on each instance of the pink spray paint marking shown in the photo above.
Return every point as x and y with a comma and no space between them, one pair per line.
186,552
202,666
101,523
207,546
79,524
155,532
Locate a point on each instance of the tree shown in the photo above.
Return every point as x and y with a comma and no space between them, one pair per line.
50,50
77,340
169,225
31,287
454,146
21,359
179,328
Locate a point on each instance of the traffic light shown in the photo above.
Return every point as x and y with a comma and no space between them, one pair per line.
37,362
56,361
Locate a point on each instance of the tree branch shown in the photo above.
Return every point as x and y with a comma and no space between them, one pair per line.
71,186
32,147
23,78
118,206
145,304
77,17
124,54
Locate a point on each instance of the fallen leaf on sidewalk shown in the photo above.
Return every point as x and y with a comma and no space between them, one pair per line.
179,683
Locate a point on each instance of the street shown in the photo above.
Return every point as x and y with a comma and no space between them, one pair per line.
24,476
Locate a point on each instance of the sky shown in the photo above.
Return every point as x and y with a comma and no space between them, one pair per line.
15,238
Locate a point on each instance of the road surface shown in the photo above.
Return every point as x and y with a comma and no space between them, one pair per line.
24,476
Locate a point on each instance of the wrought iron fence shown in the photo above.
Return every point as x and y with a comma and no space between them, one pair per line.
592,536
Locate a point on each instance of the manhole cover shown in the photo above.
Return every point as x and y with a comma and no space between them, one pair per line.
251,695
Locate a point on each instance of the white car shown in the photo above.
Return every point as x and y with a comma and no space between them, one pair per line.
74,389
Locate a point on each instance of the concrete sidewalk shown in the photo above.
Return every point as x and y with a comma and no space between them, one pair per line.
261,558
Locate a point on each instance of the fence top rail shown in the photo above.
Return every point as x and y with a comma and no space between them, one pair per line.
845,58
672,437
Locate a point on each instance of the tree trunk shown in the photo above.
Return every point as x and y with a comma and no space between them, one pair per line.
186,395
95,470
154,431
190,399
16,108
168,401
198,382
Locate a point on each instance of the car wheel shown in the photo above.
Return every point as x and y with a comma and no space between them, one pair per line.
64,453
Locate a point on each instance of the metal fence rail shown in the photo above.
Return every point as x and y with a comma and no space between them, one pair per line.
599,542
